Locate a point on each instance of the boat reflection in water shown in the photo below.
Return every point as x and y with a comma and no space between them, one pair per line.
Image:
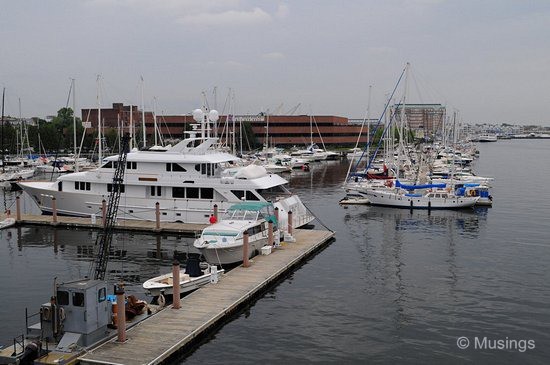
435,222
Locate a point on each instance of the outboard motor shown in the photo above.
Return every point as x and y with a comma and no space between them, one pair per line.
32,350
192,266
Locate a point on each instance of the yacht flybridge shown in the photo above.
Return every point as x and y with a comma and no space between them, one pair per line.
187,180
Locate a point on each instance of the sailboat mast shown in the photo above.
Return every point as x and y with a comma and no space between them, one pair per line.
2,131
100,136
74,125
143,115
131,127
155,119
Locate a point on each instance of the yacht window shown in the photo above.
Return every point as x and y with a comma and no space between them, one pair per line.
238,193
156,190
76,185
131,165
62,297
207,193
82,185
110,188
192,193
101,295
115,164
177,167
78,299
88,186
178,192
273,192
107,165
60,186
251,196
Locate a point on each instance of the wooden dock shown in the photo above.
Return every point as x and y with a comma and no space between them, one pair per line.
184,229
171,332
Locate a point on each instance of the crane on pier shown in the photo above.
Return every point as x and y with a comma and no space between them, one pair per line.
105,236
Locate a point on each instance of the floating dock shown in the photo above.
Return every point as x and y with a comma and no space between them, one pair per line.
172,332
184,229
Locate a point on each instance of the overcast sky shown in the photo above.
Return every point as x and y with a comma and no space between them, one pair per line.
490,60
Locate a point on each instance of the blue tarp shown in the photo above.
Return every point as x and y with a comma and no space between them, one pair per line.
413,187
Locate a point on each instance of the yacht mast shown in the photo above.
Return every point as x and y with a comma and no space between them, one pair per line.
131,127
2,131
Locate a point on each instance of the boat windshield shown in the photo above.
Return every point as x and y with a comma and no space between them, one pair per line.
241,215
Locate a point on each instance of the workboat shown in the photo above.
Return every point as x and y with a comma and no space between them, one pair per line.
435,196
222,243
191,278
79,316
187,180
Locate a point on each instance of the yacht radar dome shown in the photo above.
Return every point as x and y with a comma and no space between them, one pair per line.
198,114
213,115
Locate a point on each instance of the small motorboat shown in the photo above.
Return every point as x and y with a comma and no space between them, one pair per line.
8,222
354,199
191,278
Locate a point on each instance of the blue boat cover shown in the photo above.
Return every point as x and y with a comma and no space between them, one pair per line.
413,187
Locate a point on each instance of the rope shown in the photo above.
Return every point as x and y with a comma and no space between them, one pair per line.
317,218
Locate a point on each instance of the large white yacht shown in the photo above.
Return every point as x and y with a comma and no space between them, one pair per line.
187,180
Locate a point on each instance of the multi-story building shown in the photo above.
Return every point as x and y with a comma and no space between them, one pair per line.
424,119
282,130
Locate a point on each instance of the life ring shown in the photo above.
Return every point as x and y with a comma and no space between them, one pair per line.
62,314
46,313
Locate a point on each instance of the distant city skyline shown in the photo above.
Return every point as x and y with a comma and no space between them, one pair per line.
487,60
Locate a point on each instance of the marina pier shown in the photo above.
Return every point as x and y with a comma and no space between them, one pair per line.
171,332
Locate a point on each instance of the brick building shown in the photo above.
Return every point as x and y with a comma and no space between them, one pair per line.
284,130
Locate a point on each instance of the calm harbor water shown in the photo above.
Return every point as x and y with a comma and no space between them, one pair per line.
394,287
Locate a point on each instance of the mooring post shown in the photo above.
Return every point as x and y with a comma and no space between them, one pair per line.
104,212
216,211
176,284
121,313
290,222
270,240
277,215
246,262
157,216
18,209
54,210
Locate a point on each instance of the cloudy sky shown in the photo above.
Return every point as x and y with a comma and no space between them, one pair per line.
490,60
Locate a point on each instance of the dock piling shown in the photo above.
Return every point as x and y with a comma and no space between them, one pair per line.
121,313
157,215
270,240
104,212
246,262
216,211
175,284
54,210
18,209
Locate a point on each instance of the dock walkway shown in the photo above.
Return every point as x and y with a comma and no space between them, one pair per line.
188,229
171,332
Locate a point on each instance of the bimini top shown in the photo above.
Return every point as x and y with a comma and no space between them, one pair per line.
252,206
